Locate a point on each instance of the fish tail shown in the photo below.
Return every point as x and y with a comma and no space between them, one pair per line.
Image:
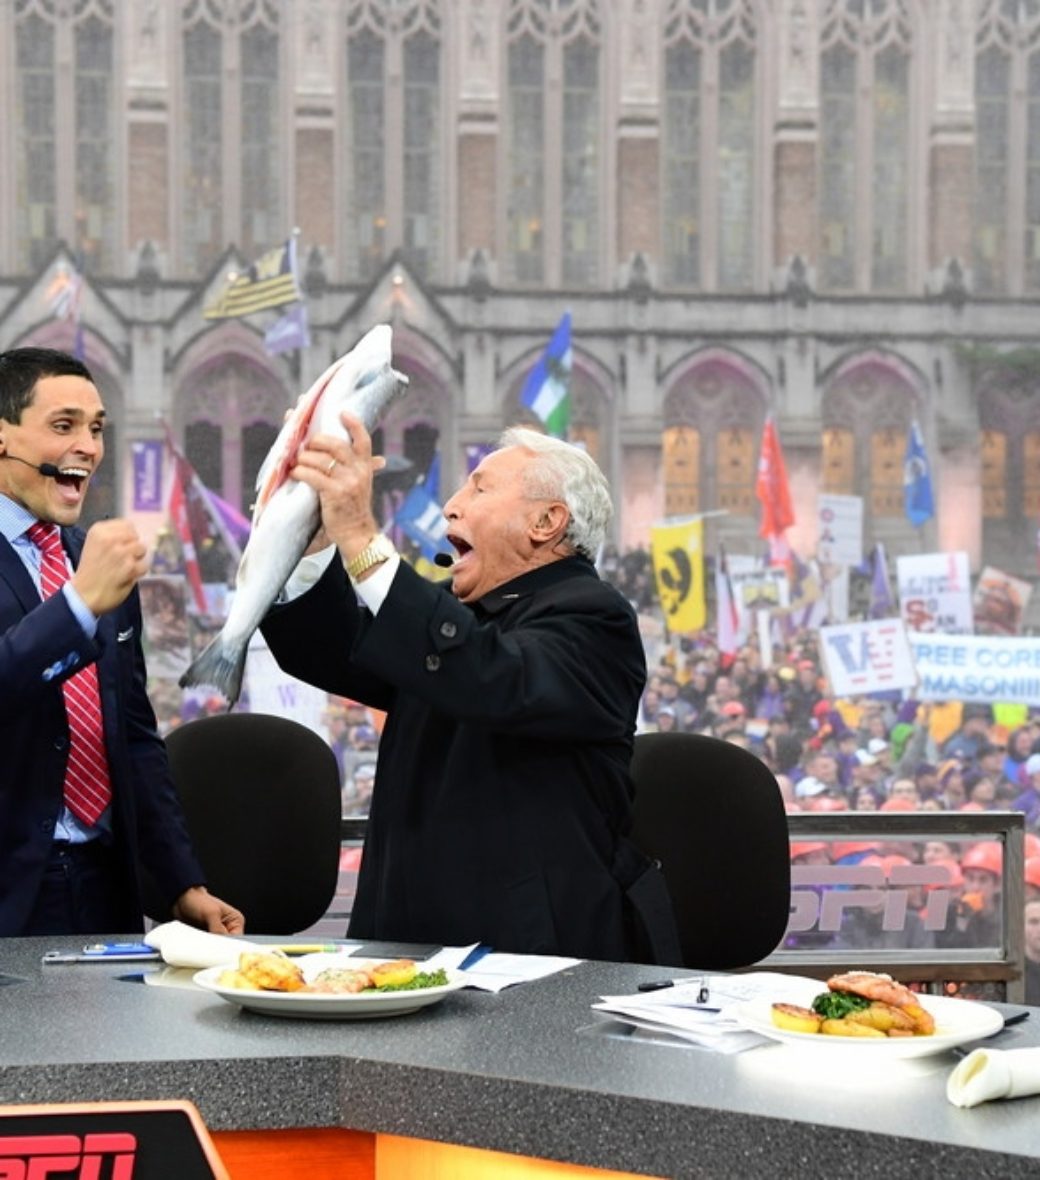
220,666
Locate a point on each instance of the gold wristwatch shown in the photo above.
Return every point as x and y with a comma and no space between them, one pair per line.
378,550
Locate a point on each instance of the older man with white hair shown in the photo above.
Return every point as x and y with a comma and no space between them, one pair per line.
502,798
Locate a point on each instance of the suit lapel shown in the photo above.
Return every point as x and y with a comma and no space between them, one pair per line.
14,573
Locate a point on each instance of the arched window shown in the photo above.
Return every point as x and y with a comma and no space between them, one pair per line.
202,224
392,150
263,223
553,137
1006,257
865,146
61,117
708,136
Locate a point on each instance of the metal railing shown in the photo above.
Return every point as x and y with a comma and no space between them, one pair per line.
852,885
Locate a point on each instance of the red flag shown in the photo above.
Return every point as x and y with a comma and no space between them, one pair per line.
178,513
774,493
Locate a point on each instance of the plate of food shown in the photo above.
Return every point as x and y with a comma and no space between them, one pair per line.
328,987
871,1014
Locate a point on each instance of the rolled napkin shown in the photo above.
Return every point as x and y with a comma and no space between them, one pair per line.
185,946
994,1073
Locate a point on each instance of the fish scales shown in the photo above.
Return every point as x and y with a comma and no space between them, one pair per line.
287,513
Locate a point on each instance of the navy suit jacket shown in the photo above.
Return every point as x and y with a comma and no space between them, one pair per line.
42,644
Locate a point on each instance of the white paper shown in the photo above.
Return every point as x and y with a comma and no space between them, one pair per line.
700,1009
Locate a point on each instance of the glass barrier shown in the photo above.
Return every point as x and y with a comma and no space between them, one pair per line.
930,897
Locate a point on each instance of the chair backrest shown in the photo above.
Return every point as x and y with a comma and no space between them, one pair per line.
262,799
712,814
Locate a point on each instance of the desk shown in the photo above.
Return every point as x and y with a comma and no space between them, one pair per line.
529,1071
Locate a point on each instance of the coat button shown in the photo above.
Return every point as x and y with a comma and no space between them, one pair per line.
60,743
433,662
448,629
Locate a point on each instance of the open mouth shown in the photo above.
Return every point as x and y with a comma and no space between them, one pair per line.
72,479
461,547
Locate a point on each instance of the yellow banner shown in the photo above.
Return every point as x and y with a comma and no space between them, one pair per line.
678,556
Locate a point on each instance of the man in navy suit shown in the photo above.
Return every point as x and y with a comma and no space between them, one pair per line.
60,874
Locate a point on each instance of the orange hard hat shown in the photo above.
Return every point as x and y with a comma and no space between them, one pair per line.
805,847
825,803
1033,871
986,855
897,805
953,873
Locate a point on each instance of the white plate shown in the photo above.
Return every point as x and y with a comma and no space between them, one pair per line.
956,1023
328,1007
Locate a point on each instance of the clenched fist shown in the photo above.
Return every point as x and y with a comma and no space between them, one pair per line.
112,562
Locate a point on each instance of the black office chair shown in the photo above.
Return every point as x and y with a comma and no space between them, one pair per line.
262,799
712,814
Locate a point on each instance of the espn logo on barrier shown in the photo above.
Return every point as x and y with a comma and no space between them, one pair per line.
80,1157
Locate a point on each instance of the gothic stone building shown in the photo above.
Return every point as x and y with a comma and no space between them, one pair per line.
825,210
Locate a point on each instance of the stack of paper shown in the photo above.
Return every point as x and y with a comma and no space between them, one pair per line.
703,1010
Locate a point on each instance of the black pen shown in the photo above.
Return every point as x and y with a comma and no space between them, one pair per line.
654,985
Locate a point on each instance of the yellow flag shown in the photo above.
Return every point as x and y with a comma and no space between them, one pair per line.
678,556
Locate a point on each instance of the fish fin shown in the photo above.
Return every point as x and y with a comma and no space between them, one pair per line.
218,667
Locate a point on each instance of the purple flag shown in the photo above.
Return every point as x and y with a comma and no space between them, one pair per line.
147,465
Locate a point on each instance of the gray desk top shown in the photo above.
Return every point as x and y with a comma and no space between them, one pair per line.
532,1071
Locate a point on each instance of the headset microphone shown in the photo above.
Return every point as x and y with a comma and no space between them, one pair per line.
47,469
444,560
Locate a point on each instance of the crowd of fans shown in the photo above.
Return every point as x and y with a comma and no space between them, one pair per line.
881,753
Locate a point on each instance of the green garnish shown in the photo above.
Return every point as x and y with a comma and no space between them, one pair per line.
421,979
837,1005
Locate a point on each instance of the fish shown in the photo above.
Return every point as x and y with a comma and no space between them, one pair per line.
287,514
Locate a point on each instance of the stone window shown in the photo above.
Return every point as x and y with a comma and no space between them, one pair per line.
865,146
392,150
553,137
709,139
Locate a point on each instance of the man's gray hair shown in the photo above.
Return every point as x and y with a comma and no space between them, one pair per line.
562,471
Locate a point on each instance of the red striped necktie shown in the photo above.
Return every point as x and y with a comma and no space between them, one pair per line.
88,789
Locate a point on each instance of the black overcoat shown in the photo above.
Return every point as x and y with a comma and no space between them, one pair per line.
502,789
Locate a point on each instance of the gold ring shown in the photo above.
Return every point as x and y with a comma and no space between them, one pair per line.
331,467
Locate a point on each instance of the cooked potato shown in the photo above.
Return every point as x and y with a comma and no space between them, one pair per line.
848,1028
884,1017
233,978
394,974
270,972
795,1019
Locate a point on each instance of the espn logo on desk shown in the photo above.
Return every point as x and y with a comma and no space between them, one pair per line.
107,1141
33,1157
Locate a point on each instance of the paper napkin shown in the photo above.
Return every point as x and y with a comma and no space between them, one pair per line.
986,1074
184,946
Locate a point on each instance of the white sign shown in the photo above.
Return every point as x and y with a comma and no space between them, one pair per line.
935,593
977,668
273,691
839,522
867,657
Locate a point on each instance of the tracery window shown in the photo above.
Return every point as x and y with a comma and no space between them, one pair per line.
262,222
62,116
865,145
202,210
708,144
1006,258
553,136
393,155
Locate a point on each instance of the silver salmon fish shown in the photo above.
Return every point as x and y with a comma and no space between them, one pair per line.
286,516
